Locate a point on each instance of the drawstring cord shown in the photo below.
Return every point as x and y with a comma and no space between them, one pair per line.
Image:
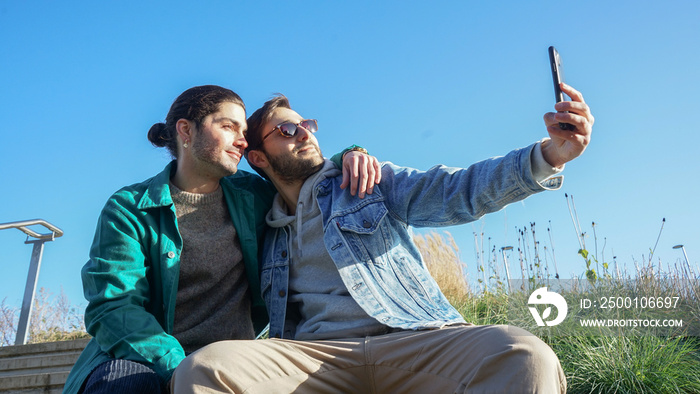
300,209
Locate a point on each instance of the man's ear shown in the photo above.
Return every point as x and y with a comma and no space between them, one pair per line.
184,129
258,159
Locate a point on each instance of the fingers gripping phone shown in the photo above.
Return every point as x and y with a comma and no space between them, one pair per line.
558,77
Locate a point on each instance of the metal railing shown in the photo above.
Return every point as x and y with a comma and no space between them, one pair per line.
34,265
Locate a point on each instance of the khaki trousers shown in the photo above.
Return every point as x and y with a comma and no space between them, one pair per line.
474,359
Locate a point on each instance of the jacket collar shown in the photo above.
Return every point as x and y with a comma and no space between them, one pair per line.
157,193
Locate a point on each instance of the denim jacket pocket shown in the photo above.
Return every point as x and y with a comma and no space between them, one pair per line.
363,221
366,233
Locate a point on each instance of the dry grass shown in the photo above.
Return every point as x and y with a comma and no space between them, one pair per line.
441,256
53,319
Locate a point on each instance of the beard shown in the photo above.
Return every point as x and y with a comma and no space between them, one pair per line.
210,160
291,169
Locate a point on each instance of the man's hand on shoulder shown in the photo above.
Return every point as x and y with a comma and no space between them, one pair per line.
361,172
566,145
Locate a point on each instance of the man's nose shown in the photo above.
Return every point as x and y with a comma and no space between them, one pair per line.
302,133
240,141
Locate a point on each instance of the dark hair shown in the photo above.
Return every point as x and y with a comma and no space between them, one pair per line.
262,115
257,121
193,104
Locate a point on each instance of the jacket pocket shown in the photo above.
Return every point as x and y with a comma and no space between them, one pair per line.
363,221
366,232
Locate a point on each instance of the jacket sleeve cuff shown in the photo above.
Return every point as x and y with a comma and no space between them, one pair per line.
542,171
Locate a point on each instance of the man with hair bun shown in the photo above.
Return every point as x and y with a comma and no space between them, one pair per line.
174,262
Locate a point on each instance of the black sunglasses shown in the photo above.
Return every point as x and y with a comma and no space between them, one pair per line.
289,129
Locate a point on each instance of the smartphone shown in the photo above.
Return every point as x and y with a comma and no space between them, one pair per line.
558,77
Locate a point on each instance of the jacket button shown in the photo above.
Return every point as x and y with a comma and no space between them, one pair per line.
283,293
366,224
284,254
171,254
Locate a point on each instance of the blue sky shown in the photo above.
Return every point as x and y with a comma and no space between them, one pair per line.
416,83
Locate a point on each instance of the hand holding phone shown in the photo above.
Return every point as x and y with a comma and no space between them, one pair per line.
558,77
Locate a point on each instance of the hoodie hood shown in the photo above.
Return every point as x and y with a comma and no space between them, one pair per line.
279,215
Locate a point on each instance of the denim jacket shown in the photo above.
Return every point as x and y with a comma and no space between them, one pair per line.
370,239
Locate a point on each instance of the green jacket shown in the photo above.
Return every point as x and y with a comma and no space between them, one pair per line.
131,279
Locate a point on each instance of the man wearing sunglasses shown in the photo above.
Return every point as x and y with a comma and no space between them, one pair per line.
352,306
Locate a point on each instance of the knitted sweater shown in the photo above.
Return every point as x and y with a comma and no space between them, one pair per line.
213,299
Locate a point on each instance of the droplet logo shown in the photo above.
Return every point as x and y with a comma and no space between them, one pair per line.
543,297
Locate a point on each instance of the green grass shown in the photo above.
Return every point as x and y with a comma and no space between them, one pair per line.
595,361
607,363
622,364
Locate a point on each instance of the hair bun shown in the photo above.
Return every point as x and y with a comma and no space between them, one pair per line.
157,135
